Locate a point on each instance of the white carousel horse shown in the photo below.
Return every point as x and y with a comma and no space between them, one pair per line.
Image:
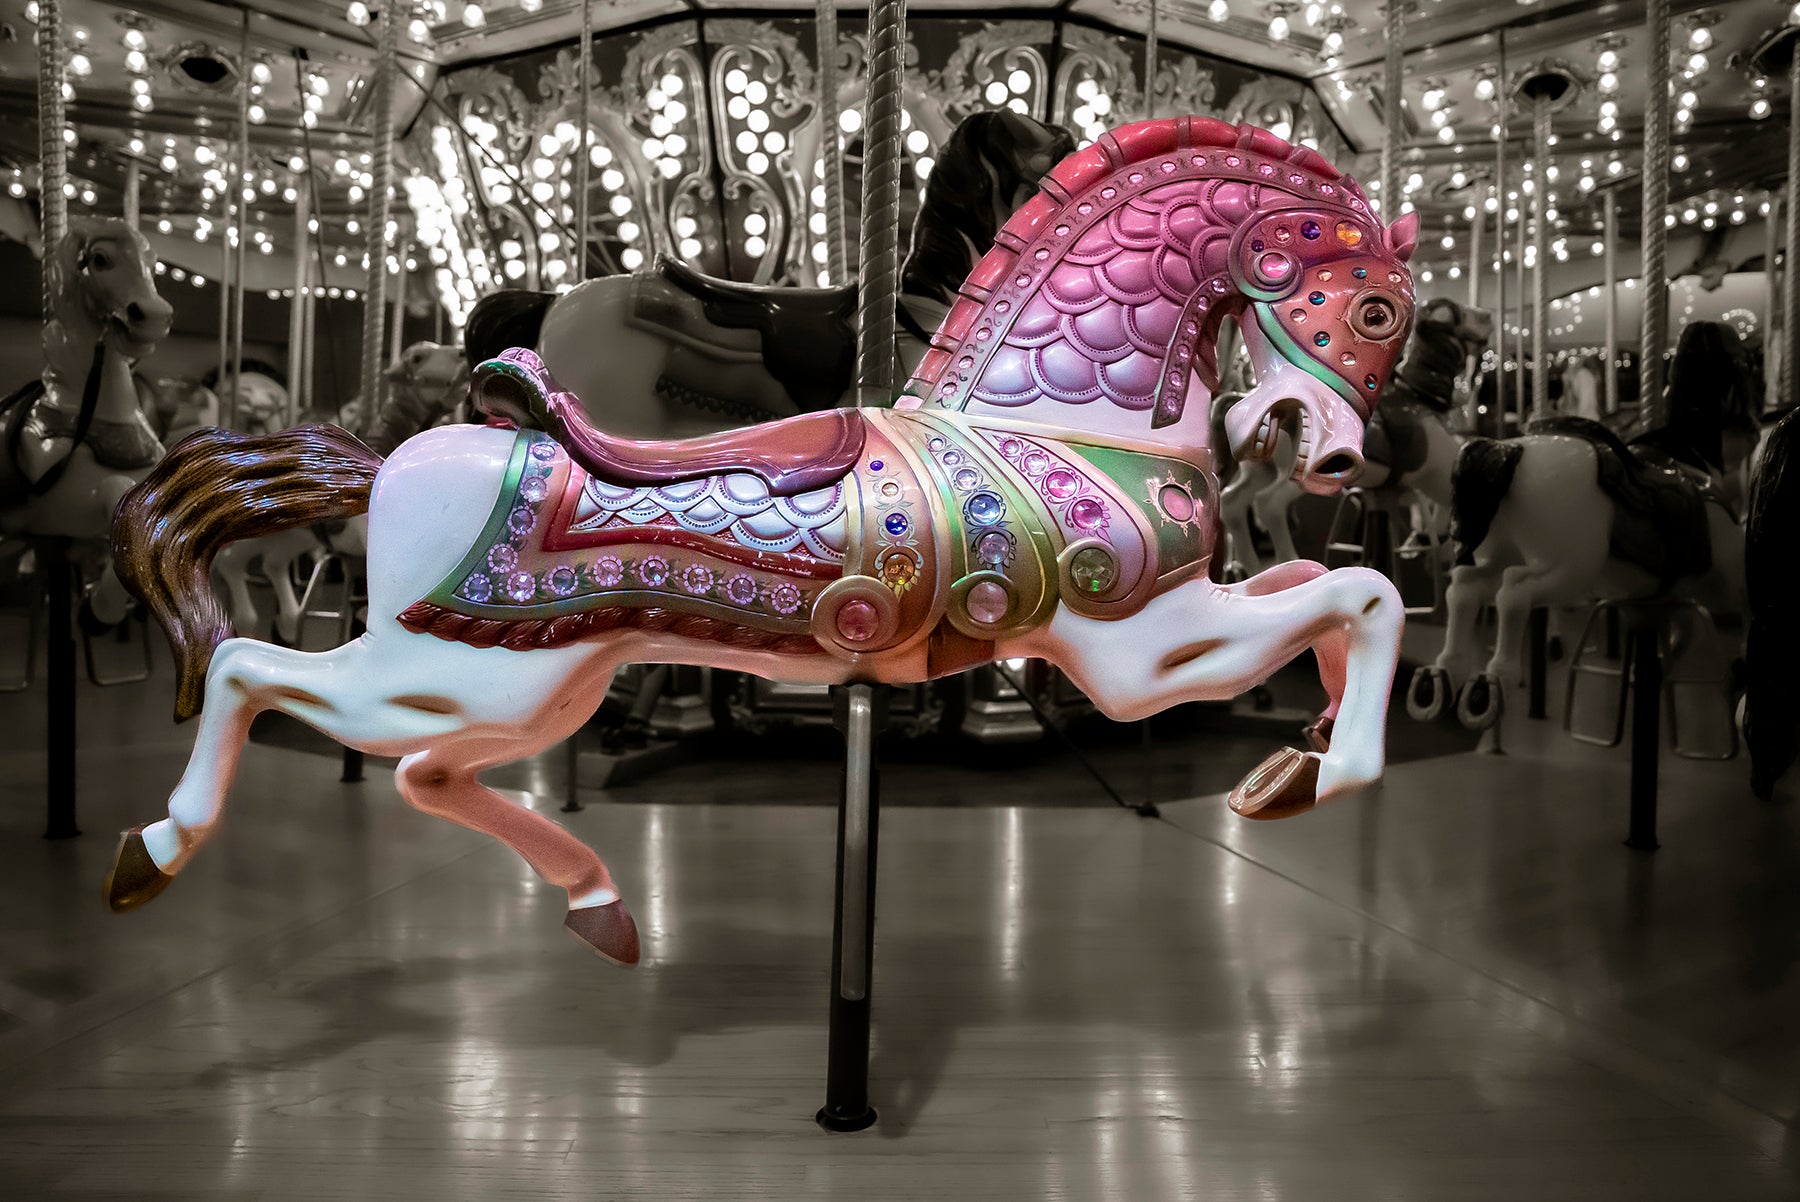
1568,515
670,353
1044,488
1409,446
75,440
429,382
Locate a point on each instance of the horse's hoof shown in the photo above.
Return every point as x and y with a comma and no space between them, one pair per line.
1285,784
1479,706
1427,694
1318,735
607,930
134,878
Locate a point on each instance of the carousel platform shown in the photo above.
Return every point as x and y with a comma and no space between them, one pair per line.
1462,987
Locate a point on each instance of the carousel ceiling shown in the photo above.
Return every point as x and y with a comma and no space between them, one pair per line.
174,93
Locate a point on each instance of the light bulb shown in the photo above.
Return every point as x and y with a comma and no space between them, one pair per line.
1218,10
1278,28
357,13
473,17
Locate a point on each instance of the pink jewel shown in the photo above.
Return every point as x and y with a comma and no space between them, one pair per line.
983,334
1167,166
1296,179
609,570
948,389
1327,190
1199,160
1041,254
1264,169
1061,484
740,590
987,602
1136,177
1084,208
1062,231
1108,193
1274,267
1087,513
857,621
1177,502
1283,233
533,488
502,558
697,578
1009,447
521,586
784,598
1035,462
1022,281
1231,160
1002,306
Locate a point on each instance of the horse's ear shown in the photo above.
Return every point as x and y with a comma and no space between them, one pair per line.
1403,236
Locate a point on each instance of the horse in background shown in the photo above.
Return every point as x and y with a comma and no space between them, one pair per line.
75,440
1569,514
670,352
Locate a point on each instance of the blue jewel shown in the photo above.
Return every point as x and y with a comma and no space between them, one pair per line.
983,509
1317,298
895,524
1361,273
875,465
1321,339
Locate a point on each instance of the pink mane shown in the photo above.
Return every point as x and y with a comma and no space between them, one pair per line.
1118,267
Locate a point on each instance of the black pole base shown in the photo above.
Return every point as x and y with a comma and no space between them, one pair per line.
59,817
1646,736
833,1121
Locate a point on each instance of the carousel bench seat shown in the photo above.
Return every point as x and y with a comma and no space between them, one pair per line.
797,455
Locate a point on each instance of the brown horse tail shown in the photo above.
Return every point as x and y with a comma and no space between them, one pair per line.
217,487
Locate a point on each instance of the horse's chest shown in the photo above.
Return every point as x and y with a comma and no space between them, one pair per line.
947,532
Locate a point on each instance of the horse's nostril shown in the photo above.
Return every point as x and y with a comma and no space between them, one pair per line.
1339,463
134,313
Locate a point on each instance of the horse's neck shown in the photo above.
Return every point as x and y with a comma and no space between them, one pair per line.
1193,432
69,343
1433,478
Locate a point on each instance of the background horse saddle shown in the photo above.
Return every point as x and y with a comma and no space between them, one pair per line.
1659,515
803,337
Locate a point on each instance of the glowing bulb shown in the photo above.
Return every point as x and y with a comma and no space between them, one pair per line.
1218,10
473,17
1484,87
357,13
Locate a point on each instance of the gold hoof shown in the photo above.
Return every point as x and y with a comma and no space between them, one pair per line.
608,930
134,878
1318,735
1283,785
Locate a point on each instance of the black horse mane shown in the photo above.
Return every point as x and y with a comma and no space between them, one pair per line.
981,170
1434,357
1709,391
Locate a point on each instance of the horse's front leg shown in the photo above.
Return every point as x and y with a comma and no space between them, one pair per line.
1201,642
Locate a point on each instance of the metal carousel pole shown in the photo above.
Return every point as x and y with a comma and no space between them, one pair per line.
861,705
583,165
240,185
1150,53
53,553
1392,85
1610,264
1653,333
1500,130
837,255
1540,276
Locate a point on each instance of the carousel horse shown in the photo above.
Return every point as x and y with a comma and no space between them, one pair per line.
429,383
1770,714
176,408
670,352
1408,447
75,440
1043,488
1569,514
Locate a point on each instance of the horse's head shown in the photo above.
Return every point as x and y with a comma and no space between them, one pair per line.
431,369
1328,303
104,267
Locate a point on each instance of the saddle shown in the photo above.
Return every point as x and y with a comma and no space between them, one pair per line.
1396,437
1659,513
791,457
806,337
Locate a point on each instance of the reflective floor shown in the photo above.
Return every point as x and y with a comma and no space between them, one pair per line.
1463,988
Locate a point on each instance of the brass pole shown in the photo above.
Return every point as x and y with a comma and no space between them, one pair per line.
583,165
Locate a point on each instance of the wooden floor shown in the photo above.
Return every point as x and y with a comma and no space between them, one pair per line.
1461,989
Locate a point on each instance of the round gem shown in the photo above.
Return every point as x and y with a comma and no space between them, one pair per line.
562,580
784,598
993,547
876,465
1298,315
520,520
952,457
936,443
533,488
1257,244
654,571
1309,230
1321,339
1349,233
1317,298
983,509
1087,513
1325,276
543,451
740,590
1361,273
521,586
1093,570
1036,462
1274,267
1347,359
1369,381
857,621
502,558
965,479
478,587
1061,484
1009,447
1177,502
697,578
895,524
609,571
987,602
1283,234
890,488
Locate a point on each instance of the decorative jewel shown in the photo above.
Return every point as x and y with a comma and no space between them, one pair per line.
609,571
994,548
1309,230
562,580
965,479
533,488
1298,315
1349,233
1177,502
936,443
1036,462
987,602
1317,298
899,568
1283,234
1361,273
697,579
889,488
784,598
1009,447
1325,275
1321,339
1347,359
1274,267
952,457
1061,484
1093,570
740,590
521,586
502,558
521,520
478,587
895,524
875,465
983,509
857,621
1087,514
653,570
1369,381
543,451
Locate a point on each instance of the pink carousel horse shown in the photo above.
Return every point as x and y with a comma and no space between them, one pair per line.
1045,488
74,441
430,382
670,353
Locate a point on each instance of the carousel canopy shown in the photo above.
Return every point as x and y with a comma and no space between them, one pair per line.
704,122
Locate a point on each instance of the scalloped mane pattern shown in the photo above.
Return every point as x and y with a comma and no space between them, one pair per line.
1111,282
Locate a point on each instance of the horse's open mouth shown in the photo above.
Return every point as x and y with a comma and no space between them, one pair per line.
127,343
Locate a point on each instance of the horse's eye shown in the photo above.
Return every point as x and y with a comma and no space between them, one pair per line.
100,261
1375,318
